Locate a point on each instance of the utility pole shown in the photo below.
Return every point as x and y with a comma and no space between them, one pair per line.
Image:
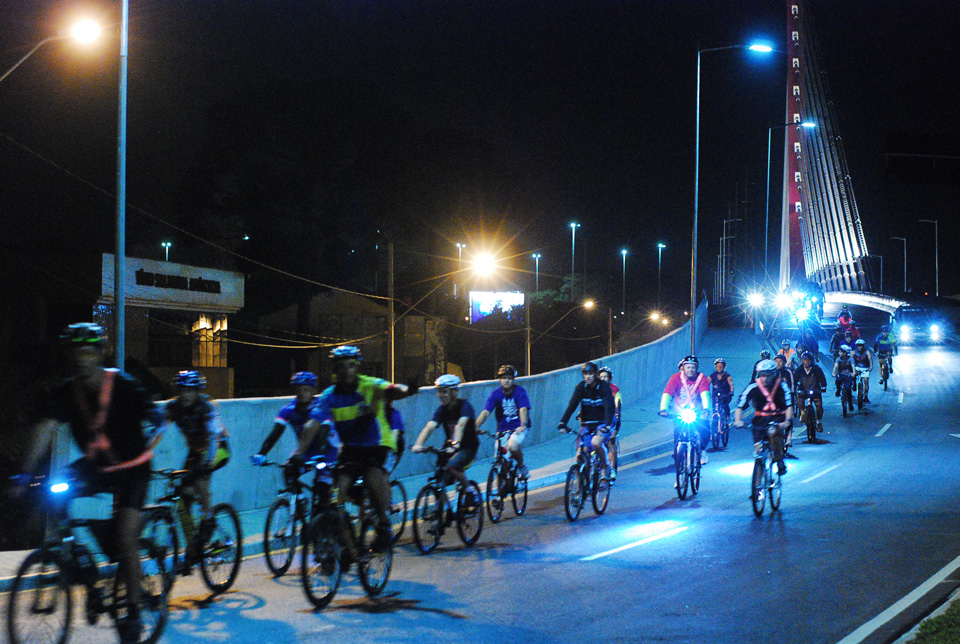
391,319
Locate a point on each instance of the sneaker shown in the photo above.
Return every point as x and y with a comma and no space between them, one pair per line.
781,468
130,629
704,459
819,427
606,473
837,395
523,472
613,474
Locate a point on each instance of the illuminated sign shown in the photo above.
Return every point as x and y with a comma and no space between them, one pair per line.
483,303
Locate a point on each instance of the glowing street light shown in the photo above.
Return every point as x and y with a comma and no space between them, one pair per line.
460,248
660,248
536,258
623,293
484,264
573,254
755,299
166,249
84,32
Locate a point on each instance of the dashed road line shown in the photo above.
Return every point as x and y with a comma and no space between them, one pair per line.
883,429
900,397
656,537
826,471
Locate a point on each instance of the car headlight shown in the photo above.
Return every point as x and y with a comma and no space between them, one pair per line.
905,332
935,333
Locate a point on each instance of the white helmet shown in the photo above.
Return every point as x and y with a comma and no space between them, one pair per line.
861,343
845,348
766,365
447,381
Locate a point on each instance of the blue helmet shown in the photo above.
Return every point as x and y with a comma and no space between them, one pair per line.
447,381
84,333
190,379
346,351
303,379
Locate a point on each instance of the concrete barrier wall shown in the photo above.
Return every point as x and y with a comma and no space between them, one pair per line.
639,373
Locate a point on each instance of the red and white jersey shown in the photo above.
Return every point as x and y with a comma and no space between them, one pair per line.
686,392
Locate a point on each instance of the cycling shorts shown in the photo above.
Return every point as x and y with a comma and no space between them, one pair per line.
128,487
364,456
518,434
462,459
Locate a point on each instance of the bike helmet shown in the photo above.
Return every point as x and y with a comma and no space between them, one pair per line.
84,333
884,329
806,356
785,343
507,370
303,379
766,366
689,360
765,354
606,370
346,351
780,356
720,361
845,348
588,367
861,342
447,381
190,380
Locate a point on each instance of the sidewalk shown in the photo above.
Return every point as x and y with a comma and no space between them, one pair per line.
548,464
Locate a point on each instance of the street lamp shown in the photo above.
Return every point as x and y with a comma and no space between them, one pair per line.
460,248
166,250
660,248
936,248
536,258
696,193
904,240
623,288
120,258
724,255
766,226
573,255
84,32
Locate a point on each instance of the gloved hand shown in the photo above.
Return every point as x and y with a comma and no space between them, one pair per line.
663,412
258,459
562,427
296,460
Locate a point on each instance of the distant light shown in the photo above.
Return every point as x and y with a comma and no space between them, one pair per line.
665,321
246,238
85,32
808,124
661,245
536,256
485,264
763,49
654,316
574,225
623,251
934,328
755,299
783,301
802,314
589,304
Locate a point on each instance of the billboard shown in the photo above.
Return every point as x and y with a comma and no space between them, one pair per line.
483,303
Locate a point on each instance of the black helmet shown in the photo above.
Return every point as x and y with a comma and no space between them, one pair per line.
688,360
765,354
884,329
806,356
507,370
720,361
84,333
588,367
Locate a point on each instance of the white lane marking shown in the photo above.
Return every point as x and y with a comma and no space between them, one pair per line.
826,471
957,435
656,537
883,429
867,629
900,397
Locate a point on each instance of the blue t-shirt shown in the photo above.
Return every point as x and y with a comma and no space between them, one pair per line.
507,408
358,413
325,443
447,418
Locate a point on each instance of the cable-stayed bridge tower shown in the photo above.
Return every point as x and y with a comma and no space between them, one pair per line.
821,236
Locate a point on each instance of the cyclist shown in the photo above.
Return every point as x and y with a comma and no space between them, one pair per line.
885,345
511,406
791,358
606,374
772,401
198,419
844,319
836,340
853,331
808,342
764,355
356,407
843,367
863,358
785,374
108,412
456,416
313,440
809,377
721,387
597,409
691,389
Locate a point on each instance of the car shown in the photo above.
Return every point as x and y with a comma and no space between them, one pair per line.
914,324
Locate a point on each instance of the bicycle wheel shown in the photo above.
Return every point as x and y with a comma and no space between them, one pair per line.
843,401
694,468
810,418
398,509
375,561
884,374
495,498
160,527
758,490
715,421
775,486
600,496
518,493
573,493
860,396
725,431
680,461
280,536
223,549
320,559
39,605
469,513
153,594
427,519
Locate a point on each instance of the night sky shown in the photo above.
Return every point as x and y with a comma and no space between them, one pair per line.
504,120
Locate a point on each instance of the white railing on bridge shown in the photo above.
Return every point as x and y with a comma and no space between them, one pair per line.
873,300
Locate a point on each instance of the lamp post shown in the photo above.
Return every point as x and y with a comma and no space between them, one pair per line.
766,226
84,32
904,240
660,247
460,248
166,250
120,259
536,258
623,287
573,255
723,252
696,194
936,248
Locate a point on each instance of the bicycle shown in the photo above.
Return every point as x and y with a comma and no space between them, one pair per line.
765,481
861,373
720,421
687,455
433,510
40,604
884,359
340,535
810,415
217,543
504,480
585,477
846,392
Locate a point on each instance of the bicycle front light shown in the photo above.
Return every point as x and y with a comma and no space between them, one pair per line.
688,416
57,488
935,332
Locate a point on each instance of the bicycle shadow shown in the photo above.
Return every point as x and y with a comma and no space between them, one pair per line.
195,618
